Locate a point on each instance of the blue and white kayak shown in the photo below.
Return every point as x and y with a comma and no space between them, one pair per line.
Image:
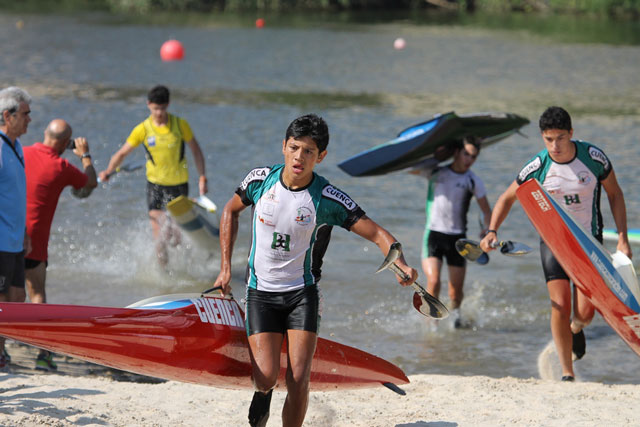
433,138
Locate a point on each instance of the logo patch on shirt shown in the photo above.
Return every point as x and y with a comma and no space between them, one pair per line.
599,157
271,195
584,178
151,141
533,166
258,174
281,241
571,199
266,221
304,216
333,193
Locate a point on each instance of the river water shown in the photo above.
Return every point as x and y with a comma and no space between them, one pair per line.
239,87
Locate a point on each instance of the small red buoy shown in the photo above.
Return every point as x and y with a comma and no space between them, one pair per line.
172,50
259,23
399,43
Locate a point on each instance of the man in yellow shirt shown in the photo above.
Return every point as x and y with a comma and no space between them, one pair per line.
163,137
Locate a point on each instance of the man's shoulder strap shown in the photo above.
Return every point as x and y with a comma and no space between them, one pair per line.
13,148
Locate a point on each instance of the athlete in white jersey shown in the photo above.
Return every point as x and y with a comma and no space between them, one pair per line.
574,173
449,195
294,210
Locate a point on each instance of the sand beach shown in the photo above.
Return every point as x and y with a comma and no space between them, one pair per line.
88,395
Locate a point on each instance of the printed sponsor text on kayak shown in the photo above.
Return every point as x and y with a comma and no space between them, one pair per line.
218,311
542,202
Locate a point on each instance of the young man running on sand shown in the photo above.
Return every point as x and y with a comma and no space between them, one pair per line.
573,172
294,211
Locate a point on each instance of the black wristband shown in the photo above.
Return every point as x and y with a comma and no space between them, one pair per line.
86,156
492,231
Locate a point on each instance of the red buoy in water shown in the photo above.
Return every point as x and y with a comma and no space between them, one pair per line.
259,23
172,50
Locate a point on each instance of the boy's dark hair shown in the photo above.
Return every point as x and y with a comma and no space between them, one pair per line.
458,144
476,141
555,118
312,126
158,95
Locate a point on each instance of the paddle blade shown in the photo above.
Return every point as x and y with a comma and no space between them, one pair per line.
471,251
131,167
510,248
429,306
483,259
205,203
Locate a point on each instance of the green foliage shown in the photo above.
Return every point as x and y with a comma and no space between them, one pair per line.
597,7
57,6
144,6
617,8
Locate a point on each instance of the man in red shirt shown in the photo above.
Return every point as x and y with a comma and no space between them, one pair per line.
47,175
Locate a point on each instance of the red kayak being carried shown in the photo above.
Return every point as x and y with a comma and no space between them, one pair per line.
191,338
585,261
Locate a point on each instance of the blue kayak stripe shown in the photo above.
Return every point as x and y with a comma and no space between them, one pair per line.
610,276
166,305
416,130
405,135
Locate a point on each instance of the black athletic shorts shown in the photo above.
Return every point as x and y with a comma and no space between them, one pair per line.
550,265
11,270
33,263
444,245
159,195
281,311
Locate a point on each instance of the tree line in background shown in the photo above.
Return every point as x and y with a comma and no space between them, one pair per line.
614,8
599,7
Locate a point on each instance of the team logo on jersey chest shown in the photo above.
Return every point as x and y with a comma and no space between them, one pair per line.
151,141
584,177
281,241
303,216
572,199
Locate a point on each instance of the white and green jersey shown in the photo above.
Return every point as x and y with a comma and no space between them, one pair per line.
449,197
291,228
575,184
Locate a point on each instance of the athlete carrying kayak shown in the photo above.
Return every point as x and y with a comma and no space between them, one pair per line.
573,172
450,190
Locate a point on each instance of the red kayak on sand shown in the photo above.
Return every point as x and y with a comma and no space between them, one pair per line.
191,338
